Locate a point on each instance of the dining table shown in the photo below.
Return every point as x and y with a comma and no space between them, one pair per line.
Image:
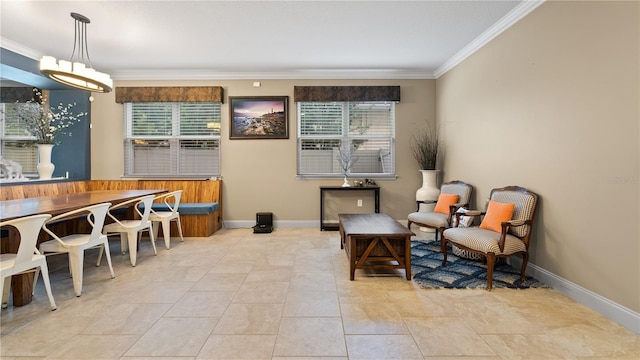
22,285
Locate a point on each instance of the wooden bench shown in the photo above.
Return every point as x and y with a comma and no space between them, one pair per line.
200,217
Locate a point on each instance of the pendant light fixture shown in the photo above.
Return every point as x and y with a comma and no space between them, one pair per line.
76,72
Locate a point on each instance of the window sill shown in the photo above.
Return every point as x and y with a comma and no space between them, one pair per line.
350,177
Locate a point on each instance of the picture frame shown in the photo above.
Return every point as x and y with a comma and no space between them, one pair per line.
258,117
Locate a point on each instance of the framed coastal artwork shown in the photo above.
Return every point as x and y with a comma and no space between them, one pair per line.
258,117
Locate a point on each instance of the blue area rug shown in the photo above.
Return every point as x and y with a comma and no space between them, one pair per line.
460,273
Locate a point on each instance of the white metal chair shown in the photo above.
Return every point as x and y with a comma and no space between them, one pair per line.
27,258
129,229
76,244
172,202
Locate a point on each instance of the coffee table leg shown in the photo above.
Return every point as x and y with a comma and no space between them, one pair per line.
352,256
407,257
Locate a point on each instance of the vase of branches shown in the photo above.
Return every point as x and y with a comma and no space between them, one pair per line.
425,147
46,125
346,160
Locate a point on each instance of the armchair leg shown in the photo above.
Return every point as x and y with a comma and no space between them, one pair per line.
441,231
491,261
443,248
525,260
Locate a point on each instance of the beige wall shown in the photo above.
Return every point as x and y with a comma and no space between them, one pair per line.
552,104
260,175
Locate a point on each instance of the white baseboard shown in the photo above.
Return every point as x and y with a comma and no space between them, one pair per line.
245,224
607,308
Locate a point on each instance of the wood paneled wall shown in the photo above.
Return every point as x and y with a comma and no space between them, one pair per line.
193,191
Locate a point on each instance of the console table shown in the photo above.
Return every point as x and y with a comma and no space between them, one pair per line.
324,189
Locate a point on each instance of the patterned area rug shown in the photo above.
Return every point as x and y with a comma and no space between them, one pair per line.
460,273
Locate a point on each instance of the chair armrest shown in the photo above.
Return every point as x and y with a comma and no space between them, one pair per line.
517,222
454,207
459,205
470,213
505,225
53,235
114,218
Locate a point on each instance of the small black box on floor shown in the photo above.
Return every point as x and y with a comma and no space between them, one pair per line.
264,223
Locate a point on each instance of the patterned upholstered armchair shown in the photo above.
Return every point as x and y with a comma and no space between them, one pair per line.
505,229
441,220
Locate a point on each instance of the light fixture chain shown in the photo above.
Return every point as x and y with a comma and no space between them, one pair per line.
75,40
85,45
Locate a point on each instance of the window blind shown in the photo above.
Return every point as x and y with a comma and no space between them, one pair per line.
366,129
172,139
17,142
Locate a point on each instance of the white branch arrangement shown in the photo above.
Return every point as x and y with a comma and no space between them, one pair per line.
345,157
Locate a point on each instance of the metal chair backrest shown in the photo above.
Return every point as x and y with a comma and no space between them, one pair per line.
144,215
96,215
147,201
29,227
171,200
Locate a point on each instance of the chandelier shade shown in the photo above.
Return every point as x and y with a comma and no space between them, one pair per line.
75,72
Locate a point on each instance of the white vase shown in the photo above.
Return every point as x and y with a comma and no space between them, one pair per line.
346,182
429,193
429,190
45,167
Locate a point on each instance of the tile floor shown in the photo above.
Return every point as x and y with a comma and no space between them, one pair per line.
287,295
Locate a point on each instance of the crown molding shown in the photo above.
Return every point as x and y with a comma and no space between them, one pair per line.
520,11
359,74
19,49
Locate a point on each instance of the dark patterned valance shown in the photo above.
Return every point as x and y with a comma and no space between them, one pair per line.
17,94
346,93
169,94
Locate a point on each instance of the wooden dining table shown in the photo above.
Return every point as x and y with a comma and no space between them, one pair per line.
22,285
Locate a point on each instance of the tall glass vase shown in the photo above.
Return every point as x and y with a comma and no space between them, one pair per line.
45,167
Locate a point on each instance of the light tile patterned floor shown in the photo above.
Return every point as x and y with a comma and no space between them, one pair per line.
287,295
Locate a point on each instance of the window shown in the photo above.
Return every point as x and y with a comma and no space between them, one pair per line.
367,128
17,143
172,139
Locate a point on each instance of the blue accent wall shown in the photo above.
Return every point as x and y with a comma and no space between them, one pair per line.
73,154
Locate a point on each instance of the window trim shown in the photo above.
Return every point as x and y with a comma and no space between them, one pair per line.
174,140
345,136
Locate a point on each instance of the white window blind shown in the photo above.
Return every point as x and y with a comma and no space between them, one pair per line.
17,143
367,128
172,139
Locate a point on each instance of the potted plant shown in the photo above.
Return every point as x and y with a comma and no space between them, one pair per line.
424,147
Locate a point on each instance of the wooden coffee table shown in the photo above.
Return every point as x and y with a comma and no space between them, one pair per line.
375,241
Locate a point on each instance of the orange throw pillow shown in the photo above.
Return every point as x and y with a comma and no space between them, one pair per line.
496,214
444,200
